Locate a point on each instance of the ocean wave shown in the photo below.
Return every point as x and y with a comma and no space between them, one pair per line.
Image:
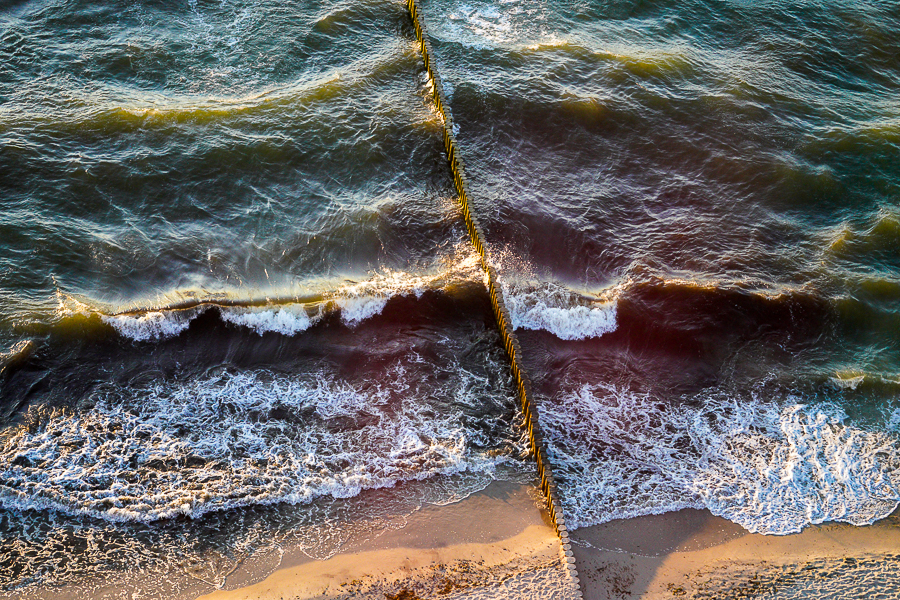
533,303
286,320
19,352
538,304
226,440
152,325
868,383
562,312
113,112
354,301
877,240
772,467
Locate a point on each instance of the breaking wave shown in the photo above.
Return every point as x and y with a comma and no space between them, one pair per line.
229,439
562,312
533,305
771,467
157,324
355,301
286,320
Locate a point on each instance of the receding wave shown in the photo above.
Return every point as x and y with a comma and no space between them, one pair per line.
772,467
231,439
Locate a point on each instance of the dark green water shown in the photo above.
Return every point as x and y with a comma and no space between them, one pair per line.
236,295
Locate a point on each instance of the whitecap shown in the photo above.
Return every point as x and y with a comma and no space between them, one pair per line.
248,438
286,320
152,325
551,307
771,467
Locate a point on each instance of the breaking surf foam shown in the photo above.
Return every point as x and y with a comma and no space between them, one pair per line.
286,320
355,301
536,303
238,439
771,467
152,325
554,308
532,304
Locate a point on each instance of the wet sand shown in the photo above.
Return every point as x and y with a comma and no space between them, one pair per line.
693,554
495,544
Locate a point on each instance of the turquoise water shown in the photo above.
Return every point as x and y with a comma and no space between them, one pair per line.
236,294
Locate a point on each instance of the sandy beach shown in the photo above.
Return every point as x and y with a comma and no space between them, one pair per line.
495,544
693,554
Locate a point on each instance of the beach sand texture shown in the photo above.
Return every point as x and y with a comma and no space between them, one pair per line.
495,544
692,554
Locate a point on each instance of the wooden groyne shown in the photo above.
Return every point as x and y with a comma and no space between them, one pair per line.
504,323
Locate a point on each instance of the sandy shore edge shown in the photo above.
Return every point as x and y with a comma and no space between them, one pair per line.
694,554
496,543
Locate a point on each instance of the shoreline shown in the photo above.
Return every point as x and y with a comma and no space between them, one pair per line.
496,543
499,544
692,554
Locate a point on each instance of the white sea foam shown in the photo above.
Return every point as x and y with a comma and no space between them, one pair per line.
893,421
357,302
152,325
567,323
553,308
486,25
286,320
237,439
356,309
366,299
771,467
480,25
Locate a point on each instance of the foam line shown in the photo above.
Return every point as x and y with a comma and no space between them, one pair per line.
773,467
233,439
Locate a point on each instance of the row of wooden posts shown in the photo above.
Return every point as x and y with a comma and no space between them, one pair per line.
504,323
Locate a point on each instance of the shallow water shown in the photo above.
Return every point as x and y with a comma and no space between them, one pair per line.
234,279
725,176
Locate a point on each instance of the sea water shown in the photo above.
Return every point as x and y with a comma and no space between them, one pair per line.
238,305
